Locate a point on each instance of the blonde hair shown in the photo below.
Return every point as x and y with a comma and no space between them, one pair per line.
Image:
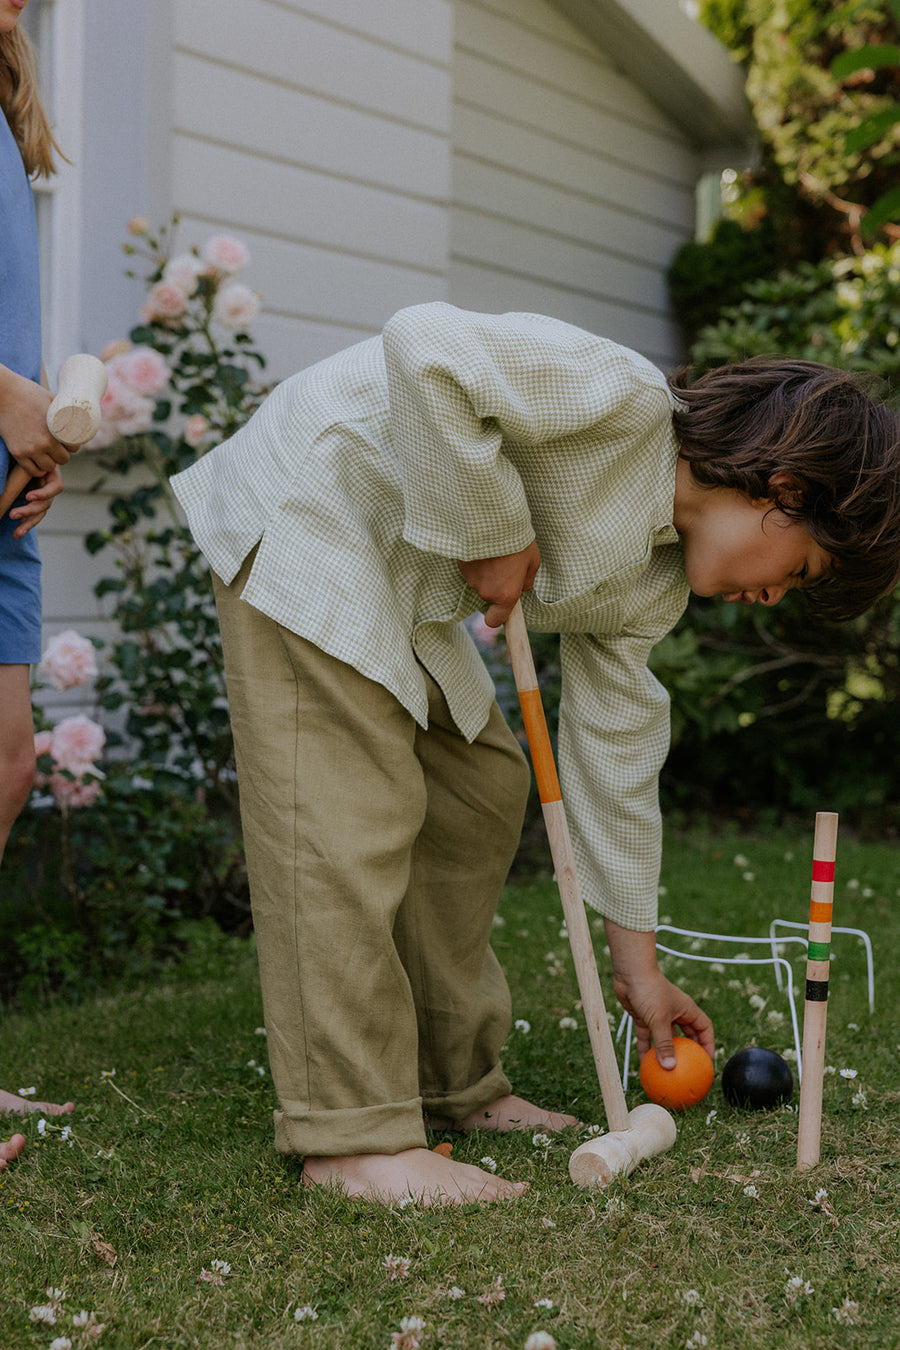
21,102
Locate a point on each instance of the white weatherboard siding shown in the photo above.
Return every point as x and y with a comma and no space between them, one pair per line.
319,133
571,189
502,154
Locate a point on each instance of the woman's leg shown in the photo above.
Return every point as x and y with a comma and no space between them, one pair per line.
17,766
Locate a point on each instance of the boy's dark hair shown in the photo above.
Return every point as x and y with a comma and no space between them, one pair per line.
739,424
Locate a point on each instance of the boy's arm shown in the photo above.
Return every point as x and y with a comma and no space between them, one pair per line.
464,387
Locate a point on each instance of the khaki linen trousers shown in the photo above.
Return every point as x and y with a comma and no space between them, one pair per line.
376,853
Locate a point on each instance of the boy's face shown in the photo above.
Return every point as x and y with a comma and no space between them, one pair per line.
749,551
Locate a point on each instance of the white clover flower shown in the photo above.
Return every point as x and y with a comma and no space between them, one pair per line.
859,1100
544,1303
592,1131
568,1024
749,876
260,1031
61,1343
751,1192
541,1140
774,1018
397,1267
797,1286
547,1222
489,1163
698,1339
615,1205
455,1292
829,1068
43,1312
305,1314
847,1313
711,1116
741,861
540,1340
691,1297
757,1002
523,1026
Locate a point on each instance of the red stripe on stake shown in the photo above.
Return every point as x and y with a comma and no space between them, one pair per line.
822,871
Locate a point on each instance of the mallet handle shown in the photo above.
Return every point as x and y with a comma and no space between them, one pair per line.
809,1130
73,417
579,932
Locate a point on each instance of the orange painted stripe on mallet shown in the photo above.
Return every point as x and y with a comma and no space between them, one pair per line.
545,774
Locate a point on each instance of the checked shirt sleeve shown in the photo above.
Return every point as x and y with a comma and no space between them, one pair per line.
613,738
464,388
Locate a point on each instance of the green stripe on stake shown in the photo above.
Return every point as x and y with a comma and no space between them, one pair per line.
819,951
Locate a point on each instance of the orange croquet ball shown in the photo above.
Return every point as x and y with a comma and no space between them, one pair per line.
686,1084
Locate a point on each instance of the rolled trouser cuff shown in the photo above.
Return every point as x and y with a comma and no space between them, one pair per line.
352,1131
457,1106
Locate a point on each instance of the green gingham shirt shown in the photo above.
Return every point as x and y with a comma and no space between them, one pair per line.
459,435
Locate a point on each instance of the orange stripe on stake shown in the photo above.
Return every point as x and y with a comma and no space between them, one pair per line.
820,911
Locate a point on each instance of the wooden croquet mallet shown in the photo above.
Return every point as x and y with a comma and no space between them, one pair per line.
648,1129
73,417
818,957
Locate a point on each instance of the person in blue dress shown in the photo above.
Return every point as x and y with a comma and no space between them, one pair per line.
26,148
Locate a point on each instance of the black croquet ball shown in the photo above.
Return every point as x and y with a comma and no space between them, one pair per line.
757,1079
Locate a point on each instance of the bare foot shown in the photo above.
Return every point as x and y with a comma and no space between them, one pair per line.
11,1103
506,1113
415,1173
11,1150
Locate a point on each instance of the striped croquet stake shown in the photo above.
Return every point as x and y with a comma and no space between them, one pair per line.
818,954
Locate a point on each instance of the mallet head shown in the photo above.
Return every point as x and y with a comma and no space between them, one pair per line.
651,1130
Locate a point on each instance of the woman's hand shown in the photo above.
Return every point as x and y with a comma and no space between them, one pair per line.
38,500
23,425
501,581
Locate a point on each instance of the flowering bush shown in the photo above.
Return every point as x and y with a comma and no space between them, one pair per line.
118,862
186,378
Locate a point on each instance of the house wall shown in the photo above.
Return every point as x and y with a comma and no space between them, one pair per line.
370,155
571,190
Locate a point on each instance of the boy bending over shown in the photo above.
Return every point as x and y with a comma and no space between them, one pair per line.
453,464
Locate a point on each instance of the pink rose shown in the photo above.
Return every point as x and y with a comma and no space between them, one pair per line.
236,306
76,742
182,271
164,301
72,793
196,428
225,253
124,412
483,635
42,741
143,369
69,660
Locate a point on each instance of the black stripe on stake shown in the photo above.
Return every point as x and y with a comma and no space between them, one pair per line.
817,991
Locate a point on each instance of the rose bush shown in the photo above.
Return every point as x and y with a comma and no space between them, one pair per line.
116,864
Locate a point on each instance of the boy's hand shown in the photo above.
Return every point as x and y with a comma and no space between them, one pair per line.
656,1005
500,581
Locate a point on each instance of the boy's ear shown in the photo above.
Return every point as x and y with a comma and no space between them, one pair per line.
788,490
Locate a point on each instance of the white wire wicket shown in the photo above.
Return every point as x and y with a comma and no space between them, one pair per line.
853,932
780,964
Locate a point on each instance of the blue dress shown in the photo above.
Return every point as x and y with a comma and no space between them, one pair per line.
20,350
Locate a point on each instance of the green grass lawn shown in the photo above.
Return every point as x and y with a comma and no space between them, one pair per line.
169,1167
